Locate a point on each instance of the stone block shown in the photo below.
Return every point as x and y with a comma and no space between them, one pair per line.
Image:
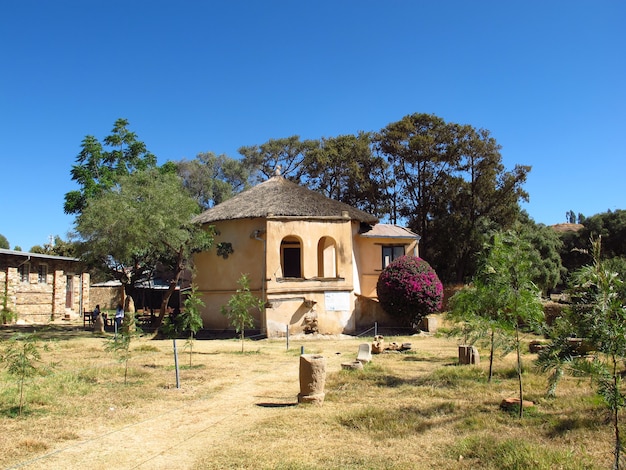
365,353
312,378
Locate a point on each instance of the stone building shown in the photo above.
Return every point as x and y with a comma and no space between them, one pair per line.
38,288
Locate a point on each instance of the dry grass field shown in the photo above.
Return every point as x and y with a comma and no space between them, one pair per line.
412,410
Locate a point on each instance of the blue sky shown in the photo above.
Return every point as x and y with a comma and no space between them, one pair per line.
547,78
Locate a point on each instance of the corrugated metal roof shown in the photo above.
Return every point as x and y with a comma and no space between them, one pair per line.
35,255
390,231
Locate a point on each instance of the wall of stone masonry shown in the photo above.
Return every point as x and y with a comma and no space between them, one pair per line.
40,302
107,297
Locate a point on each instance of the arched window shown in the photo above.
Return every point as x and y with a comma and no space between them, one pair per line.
326,257
291,257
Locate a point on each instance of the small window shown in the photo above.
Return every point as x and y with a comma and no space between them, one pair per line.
391,253
291,257
42,274
24,271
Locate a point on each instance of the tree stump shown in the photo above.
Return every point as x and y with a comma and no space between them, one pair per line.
312,378
468,354
428,324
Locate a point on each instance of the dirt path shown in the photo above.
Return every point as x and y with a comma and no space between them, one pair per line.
174,439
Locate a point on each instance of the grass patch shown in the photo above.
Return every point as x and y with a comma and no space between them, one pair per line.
32,445
146,348
405,410
394,422
453,377
488,452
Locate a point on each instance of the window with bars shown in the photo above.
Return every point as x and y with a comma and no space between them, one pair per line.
42,274
24,271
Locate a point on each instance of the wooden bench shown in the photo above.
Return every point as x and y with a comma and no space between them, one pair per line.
87,319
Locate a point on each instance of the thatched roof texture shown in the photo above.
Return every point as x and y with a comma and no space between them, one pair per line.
279,197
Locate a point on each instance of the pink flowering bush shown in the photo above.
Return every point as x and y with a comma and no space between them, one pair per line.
409,288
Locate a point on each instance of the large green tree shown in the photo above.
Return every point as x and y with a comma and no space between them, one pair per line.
141,222
99,165
4,243
287,154
610,225
546,269
345,169
211,179
57,247
450,186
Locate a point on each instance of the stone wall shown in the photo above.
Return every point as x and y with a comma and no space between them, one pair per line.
107,297
36,300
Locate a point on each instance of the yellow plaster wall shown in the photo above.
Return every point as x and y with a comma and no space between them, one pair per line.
370,260
309,232
289,301
217,277
291,312
215,273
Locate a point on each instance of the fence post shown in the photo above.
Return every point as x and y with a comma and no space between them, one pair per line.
176,364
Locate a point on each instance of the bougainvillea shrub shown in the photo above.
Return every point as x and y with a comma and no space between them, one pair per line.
409,288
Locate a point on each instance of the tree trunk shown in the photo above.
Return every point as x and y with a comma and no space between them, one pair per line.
493,336
519,373
618,444
172,287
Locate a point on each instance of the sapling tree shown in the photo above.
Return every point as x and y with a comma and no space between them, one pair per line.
189,320
474,315
6,314
598,317
502,295
240,306
119,344
20,357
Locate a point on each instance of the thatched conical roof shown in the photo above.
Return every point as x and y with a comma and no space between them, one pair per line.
280,197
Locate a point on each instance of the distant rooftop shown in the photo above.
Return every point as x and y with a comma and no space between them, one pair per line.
390,231
27,254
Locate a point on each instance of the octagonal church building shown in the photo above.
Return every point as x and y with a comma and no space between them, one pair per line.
313,261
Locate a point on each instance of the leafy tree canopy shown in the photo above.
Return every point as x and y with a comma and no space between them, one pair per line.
610,225
287,154
211,179
99,165
142,222
58,247
546,268
4,243
345,169
448,182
